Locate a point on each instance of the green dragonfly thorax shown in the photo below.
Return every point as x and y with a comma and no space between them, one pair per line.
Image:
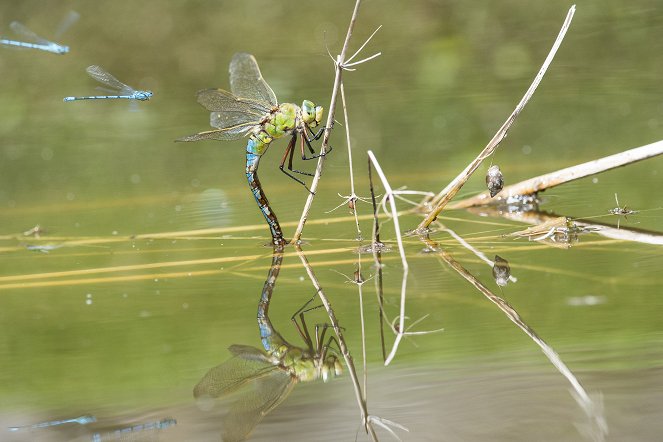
306,367
284,120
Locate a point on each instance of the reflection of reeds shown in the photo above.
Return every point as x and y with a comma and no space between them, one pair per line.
361,401
593,410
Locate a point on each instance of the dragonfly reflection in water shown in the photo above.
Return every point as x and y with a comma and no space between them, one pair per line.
121,90
272,372
37,42
82,420
251,109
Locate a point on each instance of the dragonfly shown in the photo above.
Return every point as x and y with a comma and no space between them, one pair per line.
121,90
272,371
134,432
37,42
82,420
251,110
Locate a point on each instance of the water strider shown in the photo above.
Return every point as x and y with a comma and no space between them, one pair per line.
37,42
272,371
81,420
122,90
251,109
621,211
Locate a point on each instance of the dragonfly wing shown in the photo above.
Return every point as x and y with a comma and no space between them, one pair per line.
231,375
252,406
232,133
246,80
248,352
219,100
23,31
104,77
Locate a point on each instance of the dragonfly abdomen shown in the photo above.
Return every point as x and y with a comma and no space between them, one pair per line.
252,161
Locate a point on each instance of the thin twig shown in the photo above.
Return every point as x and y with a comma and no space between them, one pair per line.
330,121
441,200
401,250
552,179
339,66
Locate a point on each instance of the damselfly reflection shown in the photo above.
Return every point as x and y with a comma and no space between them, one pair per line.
81,420
37,42
140,432
271,372
122,90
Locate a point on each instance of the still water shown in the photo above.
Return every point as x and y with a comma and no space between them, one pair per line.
150,258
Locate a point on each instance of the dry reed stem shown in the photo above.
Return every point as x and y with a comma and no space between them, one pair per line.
328,126
401,330
552,179
441,200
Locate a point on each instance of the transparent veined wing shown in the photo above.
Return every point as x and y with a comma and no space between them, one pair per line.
249,409
23,31
69,19
218,134
246,80
229,110
104,77
234,373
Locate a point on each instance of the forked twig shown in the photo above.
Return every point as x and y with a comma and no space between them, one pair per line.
339,66
441,200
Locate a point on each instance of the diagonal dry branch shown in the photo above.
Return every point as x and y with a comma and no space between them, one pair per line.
440,201
552,179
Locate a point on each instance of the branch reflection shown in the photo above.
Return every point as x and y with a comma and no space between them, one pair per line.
596,426
269,373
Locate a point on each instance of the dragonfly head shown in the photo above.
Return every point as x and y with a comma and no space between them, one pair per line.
311,114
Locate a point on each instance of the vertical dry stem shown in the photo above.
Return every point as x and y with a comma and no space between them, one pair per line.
330,121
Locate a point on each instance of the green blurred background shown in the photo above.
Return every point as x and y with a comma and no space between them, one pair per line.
122,326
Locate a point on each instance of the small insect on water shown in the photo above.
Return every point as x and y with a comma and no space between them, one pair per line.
501,271
621,211
494,180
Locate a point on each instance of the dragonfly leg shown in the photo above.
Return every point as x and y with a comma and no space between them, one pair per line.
310,148
303,328
289,150
320,338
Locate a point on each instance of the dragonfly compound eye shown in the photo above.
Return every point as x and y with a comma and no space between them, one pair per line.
309,113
